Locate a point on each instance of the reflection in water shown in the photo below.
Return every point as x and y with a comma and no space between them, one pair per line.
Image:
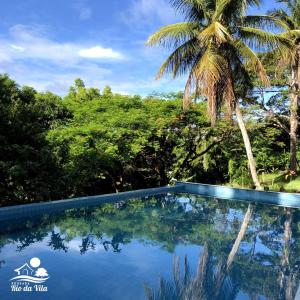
57,242
208,283
211,282
2,262
247,251
240,236
286,276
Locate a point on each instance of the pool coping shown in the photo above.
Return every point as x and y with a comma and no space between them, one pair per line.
24,210
225,192
215,191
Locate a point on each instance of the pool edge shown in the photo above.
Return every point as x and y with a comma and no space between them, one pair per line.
13,212
225,192
221,192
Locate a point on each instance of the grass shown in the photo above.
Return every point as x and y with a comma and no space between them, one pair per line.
276,182
293,185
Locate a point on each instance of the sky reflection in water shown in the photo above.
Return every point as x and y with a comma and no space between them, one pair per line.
135,250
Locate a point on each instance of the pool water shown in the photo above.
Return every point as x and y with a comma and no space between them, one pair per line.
170,246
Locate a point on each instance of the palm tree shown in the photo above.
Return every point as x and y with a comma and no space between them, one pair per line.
290,22
210,48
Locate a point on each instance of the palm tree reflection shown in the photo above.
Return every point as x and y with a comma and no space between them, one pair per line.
288,275
208,282
213,281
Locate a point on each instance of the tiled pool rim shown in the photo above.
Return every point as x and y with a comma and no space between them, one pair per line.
221,192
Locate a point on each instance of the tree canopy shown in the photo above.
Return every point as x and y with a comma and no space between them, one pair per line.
92,142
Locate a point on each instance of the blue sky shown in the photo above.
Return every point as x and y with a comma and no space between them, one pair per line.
48,43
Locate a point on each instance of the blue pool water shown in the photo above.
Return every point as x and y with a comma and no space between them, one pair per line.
162,247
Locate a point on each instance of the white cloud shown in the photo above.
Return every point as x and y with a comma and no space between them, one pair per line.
143,12
55,78
17,48
100,52
31,58
28,43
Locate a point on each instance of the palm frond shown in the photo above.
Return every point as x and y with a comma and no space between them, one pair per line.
291,34
174,35
220,7
233,10
226,7
181,60
264,22
253,61
216,32
209,282
294,10
207,75
210,67
262,39
194,10
282,19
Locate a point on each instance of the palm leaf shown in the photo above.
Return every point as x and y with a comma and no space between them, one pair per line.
215,31
252,60
220,7
208,73
291,34
282,19
264,21
262,39
174,35
195,10
180,61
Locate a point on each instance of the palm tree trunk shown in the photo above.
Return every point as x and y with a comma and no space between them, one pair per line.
286,279
294,115
223,267
239,237
251,160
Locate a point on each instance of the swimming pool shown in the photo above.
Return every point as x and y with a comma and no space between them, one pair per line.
165,246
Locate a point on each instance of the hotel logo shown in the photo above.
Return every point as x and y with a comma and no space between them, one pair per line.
30,277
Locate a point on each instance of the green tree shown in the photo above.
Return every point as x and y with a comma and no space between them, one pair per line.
210,48
28,169
289,21
79,83
107,91
79,93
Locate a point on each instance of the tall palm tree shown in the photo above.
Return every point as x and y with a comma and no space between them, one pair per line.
290,22
210,48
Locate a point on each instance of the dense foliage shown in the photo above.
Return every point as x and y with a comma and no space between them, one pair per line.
91,143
